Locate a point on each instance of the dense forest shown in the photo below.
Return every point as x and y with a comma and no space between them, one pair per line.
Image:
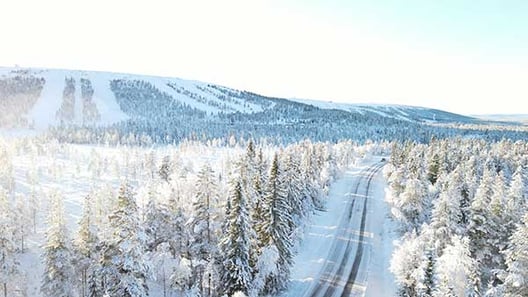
462,209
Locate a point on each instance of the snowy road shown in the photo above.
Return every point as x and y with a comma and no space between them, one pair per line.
346,250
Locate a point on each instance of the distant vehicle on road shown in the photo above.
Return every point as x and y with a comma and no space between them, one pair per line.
383,160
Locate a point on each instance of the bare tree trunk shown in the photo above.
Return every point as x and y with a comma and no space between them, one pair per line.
209,284
164,283
34,221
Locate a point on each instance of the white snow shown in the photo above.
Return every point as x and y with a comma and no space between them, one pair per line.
104,99
43,114
380,280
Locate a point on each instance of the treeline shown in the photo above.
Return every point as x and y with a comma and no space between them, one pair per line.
462,208
158,117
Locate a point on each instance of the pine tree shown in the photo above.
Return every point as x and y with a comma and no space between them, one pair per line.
456,270
480,229
413,203
258,211
427,283
498,238
277,227
165,169
8,263
85,245
21,219
236,244
407,264
434,168
445,217
295,189
309,175
124,268
58,272
516,198
202,226
516,283
7,181
177,236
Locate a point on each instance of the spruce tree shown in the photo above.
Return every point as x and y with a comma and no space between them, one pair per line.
457,271
479,229
8,263
202,226
85,245
58,275
124,268
277,227
516,283
235,246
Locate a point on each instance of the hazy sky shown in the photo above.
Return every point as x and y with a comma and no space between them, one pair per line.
464,56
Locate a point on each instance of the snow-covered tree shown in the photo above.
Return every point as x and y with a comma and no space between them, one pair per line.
165,170
203,229
235,245
516,198
481,229
500,221
181,276
85,244
124,268
516,283
413,203
410,263
22,217
445,218
309,175
7,180
295,189
265,267
456,271
58,278
277,227
8,262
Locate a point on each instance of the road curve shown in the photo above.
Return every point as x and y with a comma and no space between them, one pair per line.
338,276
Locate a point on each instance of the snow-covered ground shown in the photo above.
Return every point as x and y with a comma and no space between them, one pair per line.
326,264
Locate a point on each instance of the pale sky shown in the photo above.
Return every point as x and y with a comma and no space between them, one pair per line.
469,57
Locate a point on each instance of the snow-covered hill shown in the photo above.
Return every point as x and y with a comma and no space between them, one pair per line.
66,97
400,112
55,106
90,107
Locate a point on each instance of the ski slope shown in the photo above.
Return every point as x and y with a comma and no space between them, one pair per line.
347,249
199,95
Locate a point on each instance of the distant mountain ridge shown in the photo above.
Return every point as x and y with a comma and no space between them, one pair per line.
519,118
396,111
168,109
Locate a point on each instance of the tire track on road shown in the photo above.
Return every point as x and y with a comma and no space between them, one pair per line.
331,276
359,253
